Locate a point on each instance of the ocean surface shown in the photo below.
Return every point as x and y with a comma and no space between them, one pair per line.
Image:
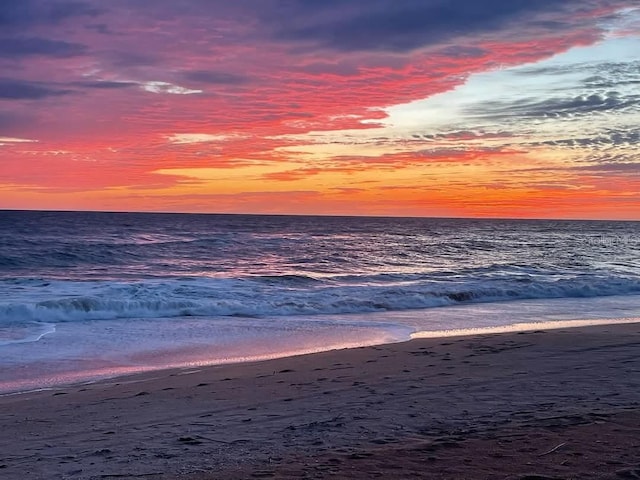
87,295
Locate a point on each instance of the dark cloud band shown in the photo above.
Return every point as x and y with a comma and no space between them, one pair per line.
34,46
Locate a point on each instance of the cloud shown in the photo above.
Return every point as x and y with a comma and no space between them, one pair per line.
26,13
10,140
607,75
15,123
165,87
104,84
15,89
188,138
614,168
556,107
123,60
101,28
463,135
215,77
595,89
342,68
436,158
393,26
597,74
294,175
11,89
607,138
630,168
60,172
12,47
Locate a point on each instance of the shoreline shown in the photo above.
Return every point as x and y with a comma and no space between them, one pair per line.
348,413
433,334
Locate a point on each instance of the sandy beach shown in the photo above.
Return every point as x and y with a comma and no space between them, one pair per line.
554,404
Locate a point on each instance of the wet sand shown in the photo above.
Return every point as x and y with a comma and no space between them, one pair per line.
530,405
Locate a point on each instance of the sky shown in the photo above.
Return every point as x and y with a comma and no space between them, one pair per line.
445,108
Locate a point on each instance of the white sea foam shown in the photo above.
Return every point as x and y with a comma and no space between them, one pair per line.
65,301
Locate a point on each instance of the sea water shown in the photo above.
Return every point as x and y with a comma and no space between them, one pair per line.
86,295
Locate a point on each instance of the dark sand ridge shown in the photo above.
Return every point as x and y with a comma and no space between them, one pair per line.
541,404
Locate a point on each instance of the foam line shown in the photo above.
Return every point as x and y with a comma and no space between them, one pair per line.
523,327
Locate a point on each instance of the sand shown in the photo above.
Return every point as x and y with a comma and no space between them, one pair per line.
530,405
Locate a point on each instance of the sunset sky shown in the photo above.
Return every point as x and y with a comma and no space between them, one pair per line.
456,108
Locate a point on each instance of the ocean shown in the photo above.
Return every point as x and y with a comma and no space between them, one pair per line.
87,295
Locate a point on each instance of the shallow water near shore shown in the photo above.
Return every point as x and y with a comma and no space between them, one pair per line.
92,350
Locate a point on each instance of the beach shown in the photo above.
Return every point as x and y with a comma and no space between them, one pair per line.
540,404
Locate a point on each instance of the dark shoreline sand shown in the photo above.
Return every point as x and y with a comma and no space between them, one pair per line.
541,404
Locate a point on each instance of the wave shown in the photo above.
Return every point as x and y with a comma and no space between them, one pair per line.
67,301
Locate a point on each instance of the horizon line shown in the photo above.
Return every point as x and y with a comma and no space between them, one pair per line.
327,215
